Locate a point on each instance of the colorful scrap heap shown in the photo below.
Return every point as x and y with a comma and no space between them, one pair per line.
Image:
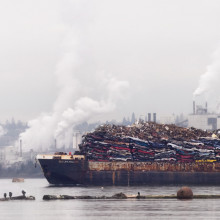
150,142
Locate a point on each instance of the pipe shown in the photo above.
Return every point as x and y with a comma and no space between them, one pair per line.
194,107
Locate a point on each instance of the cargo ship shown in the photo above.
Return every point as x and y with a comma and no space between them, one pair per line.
144,154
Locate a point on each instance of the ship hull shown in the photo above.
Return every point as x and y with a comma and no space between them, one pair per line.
76,172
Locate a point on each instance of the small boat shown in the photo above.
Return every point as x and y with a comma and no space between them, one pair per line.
18,180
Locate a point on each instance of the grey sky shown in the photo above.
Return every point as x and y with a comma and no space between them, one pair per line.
161,48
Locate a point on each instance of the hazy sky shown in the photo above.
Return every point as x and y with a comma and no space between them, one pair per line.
57,51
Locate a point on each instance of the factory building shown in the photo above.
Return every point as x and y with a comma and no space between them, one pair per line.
202,119
77,139
9,155
167,119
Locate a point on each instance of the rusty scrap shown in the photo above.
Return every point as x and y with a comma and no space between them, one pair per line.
151,142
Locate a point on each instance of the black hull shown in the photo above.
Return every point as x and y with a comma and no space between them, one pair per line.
73,172
64,172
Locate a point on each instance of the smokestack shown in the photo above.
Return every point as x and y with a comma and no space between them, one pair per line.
154,117
149,116
194,107
145,118
76,141
55,144
20,148
206,107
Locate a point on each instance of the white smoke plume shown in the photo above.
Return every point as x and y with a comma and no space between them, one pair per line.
2,131
59,124
84,93
209,83
74,104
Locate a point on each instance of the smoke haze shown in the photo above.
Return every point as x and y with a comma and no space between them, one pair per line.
60,56
208,88
2,131
74,103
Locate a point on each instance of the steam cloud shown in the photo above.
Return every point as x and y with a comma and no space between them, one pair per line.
2,131
70,107
209,83
84,94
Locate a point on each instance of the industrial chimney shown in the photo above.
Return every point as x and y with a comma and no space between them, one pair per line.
154,117
76,139
206,107
149,116
194,107
55,144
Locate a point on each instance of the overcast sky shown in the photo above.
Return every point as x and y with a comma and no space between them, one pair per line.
154,50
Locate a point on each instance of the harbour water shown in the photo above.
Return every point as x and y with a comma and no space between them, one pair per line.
104,209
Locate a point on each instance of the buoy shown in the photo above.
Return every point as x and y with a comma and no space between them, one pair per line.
184,193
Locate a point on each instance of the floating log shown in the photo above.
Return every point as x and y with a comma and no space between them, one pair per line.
4,199
119,196
54,197
61,197
66,197
18,198
206,197
23,198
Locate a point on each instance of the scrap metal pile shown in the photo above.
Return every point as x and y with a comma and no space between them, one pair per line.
150,142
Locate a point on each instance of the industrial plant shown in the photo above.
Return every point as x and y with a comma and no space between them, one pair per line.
202,119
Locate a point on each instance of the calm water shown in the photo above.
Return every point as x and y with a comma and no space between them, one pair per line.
104,209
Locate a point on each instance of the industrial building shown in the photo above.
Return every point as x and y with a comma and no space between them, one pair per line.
9,155
202,119
77,139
